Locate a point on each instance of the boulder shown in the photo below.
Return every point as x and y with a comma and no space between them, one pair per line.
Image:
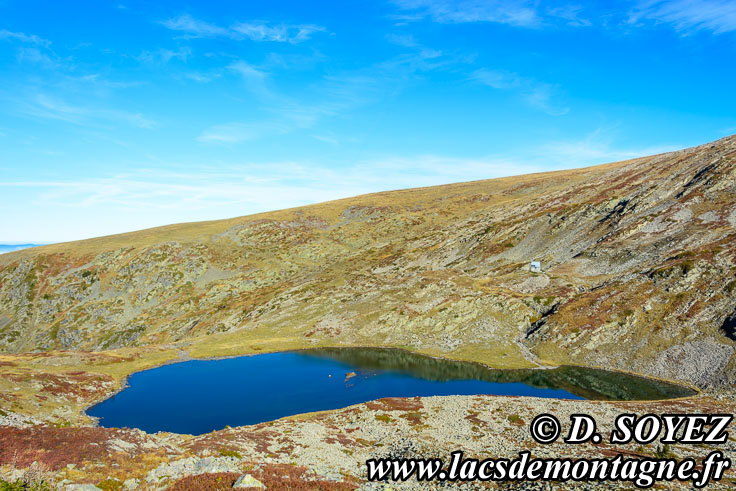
248,481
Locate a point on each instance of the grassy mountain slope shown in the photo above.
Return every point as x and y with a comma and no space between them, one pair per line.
639,263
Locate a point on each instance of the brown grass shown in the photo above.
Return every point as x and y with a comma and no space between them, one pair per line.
200,482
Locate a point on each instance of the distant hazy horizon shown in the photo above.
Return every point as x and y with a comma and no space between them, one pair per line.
16,247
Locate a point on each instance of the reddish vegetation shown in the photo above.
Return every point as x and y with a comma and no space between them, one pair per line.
414,418
473,418
330,331
263,439
70,383
219,480
9,397
482,198
273,476
57,447
7,364
396,404
343,440
223,440
42,354
285,476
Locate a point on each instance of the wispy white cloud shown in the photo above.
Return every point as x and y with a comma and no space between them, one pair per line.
254,30
517,13
147,197
24,38
498,79
331,96
38,57
254,79
201,77
544,97
43,106
101,81
295,61
61,87
254,187
282,33
717,16
571,14
195,27
511,12
405,40
271,185
539,95
419,57
229,133
237,132
247,71
164,56
323,138
334,95
597,147
230,181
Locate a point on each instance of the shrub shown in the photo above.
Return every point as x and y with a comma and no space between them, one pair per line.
12,486
664,452
35,478
110,484
230,453
731,286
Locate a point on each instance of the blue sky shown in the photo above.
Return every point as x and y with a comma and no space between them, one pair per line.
122,115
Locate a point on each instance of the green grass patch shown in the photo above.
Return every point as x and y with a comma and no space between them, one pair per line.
730,286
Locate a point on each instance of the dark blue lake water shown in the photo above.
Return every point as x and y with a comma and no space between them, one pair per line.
196,397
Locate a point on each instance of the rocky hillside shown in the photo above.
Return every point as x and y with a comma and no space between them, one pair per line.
638,258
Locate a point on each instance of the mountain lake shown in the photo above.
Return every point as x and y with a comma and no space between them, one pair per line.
200,396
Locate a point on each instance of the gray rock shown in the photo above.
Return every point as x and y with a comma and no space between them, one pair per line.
192,466
248,481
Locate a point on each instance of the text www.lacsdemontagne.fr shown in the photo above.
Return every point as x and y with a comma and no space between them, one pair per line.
642,473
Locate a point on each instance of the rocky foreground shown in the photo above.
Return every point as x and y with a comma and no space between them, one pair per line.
638,274
328,450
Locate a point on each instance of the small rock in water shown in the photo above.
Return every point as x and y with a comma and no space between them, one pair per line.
350,375
248,481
